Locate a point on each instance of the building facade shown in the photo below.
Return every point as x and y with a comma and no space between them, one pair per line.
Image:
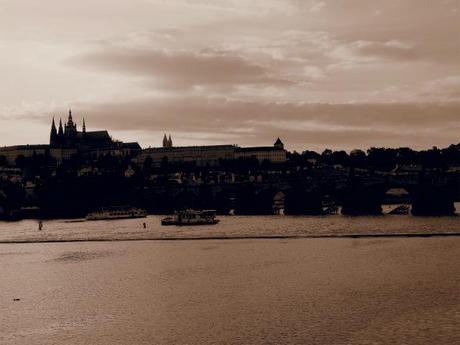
211,155
272,154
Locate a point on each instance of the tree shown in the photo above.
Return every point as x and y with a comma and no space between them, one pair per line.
357,158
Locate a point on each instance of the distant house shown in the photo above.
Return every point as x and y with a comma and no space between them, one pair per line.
11,153
453,169
10,174
129,172
407,169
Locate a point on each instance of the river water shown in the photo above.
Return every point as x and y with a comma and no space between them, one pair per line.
229,226
395,290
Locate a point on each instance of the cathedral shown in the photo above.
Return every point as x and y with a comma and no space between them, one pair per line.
167,142
68,136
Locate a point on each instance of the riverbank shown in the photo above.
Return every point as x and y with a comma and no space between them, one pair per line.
275,237
230,227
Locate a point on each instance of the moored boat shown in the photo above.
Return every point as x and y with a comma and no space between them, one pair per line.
402,209
116,212
191,217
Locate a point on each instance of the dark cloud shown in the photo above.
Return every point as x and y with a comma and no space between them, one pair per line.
301,125
431,27
180,68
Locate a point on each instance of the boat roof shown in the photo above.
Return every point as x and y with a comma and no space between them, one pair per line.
190,211
117,208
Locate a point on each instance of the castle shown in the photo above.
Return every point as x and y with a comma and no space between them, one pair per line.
66,141
68,136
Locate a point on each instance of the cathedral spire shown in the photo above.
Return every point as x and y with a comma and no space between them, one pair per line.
53,133
165,141
70,128
61,130
70,120
84,126
170,141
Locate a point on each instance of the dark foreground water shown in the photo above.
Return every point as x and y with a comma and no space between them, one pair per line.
392,290
254,291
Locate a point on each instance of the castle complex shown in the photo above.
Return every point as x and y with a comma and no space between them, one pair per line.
211,155
68,136
66,140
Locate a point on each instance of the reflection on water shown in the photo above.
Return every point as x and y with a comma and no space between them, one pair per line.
298,291
81,256
230,226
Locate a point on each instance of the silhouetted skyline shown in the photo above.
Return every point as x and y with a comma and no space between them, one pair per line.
319,74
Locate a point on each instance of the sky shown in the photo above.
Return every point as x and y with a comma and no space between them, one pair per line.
340,74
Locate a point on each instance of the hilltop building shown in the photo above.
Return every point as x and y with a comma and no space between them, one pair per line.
68,136
167,142
66,141
211,155
273,154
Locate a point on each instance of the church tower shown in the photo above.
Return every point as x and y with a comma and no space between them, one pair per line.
279,144
170,144
70,128
61,130
53,134
165,141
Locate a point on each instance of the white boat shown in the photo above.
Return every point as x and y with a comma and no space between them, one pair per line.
117,212
401,209
191,217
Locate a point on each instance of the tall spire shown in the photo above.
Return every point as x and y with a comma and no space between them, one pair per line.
170,141
61,130
84,126
165,141
70,128
53,126
53,133
70,120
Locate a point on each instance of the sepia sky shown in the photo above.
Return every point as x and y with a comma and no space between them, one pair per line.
319,74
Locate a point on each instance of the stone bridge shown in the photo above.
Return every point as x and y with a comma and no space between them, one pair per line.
357,197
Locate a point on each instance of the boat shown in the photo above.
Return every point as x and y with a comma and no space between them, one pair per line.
116,212
191,217
332,209
402,209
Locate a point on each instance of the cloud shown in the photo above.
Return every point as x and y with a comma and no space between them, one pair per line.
181,68
317,6
302,126
392,49
446,89
243,71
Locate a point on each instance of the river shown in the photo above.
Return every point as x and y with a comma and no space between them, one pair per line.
293,290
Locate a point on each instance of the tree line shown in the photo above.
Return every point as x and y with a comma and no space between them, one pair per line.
381,158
